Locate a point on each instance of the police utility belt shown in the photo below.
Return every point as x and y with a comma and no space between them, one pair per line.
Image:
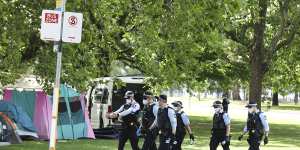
253,132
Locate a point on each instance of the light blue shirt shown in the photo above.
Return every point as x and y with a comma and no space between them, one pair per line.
185,119
226,119
264,121
172,117
133,109
155,109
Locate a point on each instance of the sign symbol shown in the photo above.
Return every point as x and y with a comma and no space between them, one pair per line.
51,18
73,20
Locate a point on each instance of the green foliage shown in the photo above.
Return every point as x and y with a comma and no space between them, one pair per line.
175,43
267,42
284,76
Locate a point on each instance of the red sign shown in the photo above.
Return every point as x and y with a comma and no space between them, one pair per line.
73,20
51,18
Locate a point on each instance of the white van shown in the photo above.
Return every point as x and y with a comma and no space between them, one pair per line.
105,95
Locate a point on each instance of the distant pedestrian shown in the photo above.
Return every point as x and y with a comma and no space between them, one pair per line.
225,104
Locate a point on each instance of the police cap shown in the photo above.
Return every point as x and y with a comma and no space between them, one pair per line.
177,104
129,94
163,97
147,94
251,104
217,104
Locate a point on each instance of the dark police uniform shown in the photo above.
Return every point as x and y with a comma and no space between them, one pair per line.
256,125
182,121
149,116
220,121
225,104
128,114
166,121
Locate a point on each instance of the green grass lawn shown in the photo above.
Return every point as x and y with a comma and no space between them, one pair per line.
284,107
282,137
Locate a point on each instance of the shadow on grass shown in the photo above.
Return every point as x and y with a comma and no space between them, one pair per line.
281,137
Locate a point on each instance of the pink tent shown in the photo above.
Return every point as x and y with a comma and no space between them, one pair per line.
42,115
42,112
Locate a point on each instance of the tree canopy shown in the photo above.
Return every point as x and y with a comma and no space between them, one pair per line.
192,43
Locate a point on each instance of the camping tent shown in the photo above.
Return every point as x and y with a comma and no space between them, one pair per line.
8,134
24,123
36,104
73,121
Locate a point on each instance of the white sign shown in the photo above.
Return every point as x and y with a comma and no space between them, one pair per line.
72,27
51,25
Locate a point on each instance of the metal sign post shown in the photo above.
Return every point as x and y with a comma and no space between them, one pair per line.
60,5
58,26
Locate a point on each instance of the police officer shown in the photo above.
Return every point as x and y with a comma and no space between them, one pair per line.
166,123
225,104
183,124
257,126
128,113
221,128
149,116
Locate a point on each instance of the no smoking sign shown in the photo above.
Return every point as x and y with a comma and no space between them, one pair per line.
73,20
72,27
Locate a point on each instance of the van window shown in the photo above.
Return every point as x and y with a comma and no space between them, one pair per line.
101,96
105,96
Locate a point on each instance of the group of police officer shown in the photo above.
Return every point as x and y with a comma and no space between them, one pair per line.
171,124
256,125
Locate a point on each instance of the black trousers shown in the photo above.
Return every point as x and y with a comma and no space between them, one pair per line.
254,141
180,138
165,142
215,140
128,133
150,137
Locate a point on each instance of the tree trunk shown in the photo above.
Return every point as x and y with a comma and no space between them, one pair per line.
296,100
246,93
172,92
236,93
205,94
255,84
275,101
257,55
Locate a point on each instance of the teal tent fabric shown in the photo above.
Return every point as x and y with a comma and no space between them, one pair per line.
71,122
26,99
66,91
